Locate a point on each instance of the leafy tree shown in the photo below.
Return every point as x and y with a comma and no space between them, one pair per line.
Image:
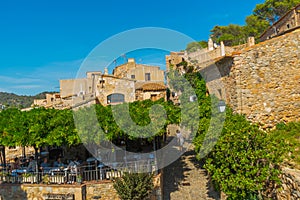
203,43
255,26
134,186
133,121
263,15
62,129
230,35
194,46
11,127
272,10
37,127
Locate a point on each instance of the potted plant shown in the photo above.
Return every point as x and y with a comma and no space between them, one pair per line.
26,178
46,179
3,176
29,178
79,179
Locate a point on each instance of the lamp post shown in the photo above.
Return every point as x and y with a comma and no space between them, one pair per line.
221,106
193,98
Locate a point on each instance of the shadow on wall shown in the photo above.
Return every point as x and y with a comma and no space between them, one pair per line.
172,176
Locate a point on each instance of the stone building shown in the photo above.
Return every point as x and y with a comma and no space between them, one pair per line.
129,82
139,72
288,22
204,60
50,101
153,91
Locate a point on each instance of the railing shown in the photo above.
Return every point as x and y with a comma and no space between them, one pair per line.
81,174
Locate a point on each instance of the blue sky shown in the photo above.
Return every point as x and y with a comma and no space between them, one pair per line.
47,40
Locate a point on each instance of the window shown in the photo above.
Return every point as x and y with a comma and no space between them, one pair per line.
147,77
115,98
132,76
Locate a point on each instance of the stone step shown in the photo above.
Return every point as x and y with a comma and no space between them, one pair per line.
188,182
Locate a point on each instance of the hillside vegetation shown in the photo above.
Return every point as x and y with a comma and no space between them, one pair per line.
19,101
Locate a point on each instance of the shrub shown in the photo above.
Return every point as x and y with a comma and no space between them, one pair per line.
245,161
134,186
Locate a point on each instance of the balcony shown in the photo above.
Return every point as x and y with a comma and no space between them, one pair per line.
83,174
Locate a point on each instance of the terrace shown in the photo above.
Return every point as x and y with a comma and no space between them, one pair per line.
93,171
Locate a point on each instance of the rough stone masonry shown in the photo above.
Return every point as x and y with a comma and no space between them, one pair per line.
267,81
261,81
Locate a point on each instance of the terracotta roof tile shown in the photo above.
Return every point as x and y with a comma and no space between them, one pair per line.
152,87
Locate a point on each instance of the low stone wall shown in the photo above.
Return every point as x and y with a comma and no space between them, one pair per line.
101,191
90,191
290,185
41,192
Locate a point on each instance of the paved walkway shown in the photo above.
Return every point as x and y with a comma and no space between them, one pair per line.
185,180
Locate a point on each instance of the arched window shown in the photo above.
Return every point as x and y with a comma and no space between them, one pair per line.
115,98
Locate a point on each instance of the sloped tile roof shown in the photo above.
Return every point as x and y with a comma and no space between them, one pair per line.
151,87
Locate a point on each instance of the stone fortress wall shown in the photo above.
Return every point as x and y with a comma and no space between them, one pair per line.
261,81
266,81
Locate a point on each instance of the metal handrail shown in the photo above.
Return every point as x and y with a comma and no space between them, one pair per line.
81,174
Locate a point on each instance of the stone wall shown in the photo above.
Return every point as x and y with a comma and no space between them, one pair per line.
104,191
12,153
40,192
266,81
261,81
290,188
216,76
114,85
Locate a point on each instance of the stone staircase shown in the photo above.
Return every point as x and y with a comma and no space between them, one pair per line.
186,180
